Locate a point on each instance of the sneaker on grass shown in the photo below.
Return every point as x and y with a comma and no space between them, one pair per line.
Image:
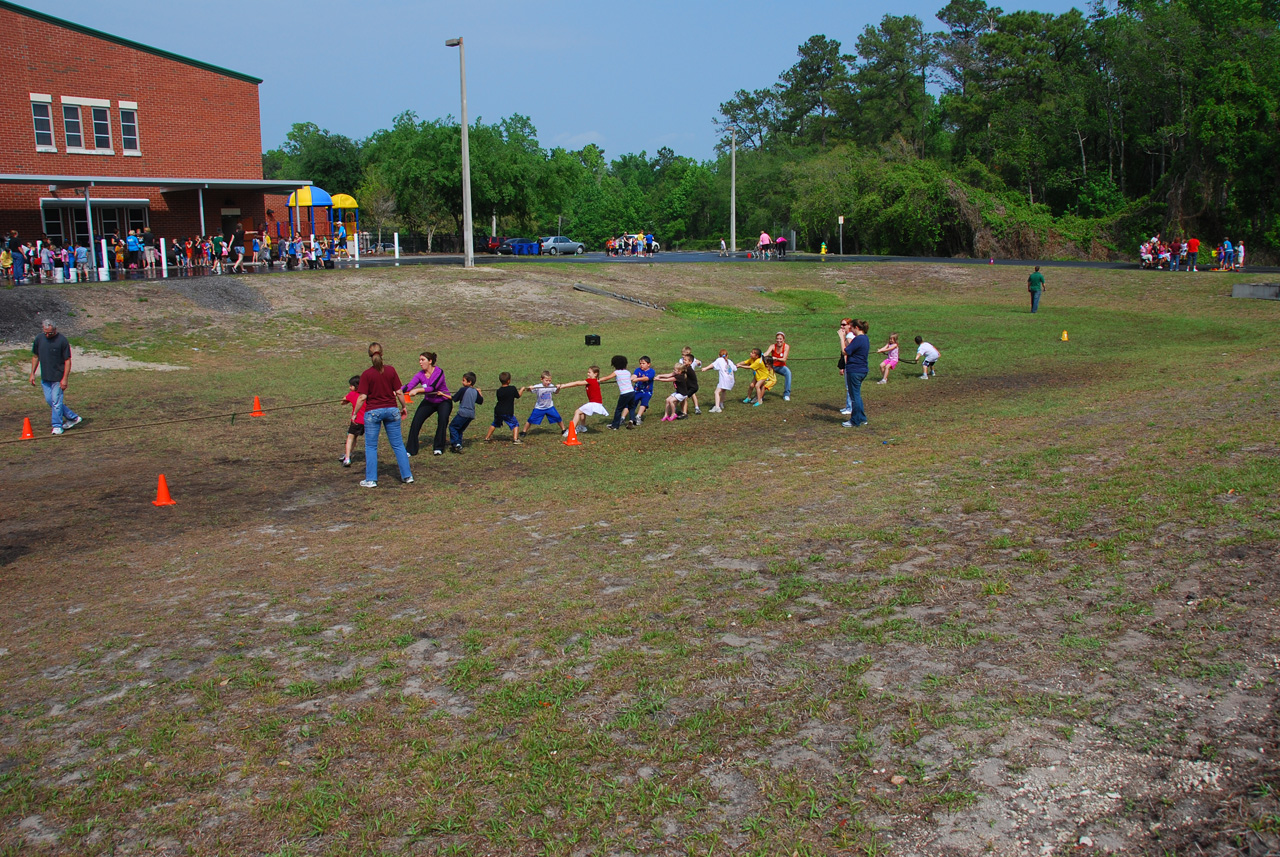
365,483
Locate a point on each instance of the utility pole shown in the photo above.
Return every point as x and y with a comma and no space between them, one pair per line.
468,240
733,190
842,235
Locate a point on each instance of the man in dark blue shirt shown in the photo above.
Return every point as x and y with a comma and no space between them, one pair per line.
51,353
855,371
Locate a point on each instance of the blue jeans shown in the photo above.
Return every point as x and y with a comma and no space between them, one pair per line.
373,420
60,412
626,402
456,427
853,384
1035,300
785,372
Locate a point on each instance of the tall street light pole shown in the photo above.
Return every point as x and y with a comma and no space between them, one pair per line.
468,240
733,189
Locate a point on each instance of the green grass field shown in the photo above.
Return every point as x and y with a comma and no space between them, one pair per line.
1034,600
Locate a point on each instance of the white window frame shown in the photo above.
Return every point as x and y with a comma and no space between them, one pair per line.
136,151
93,120
66,135
47,101
80,103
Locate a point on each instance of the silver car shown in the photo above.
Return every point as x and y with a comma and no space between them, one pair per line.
558,245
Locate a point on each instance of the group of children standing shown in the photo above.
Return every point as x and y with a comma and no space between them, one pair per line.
635,396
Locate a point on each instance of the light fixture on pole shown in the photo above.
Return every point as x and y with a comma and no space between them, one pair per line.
468,241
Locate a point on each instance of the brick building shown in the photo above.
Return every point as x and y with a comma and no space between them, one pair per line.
106,134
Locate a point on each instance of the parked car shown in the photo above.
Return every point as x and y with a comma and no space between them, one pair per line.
488,243
520,247
558,245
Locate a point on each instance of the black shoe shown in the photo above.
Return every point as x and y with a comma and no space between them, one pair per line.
612,427
457,447
682,416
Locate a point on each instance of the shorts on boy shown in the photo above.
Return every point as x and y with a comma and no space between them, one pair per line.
355,429
457,426
509,420
535,418
929,364
642,399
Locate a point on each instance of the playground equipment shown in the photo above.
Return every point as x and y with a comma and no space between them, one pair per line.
310,198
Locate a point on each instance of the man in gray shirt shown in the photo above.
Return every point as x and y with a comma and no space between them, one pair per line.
51,353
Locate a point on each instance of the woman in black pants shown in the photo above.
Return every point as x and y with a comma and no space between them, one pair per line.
430,383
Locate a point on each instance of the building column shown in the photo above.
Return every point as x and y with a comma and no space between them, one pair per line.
200,196
88,213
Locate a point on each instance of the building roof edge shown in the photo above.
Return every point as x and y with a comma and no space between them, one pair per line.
128,43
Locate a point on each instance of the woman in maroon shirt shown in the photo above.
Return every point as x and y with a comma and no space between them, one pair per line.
379,392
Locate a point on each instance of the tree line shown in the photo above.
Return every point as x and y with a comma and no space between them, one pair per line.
1014,134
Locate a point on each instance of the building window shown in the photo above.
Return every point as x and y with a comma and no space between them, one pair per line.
110,220
80,222
101,128
137,218
129,130
71,126
42,117
53,224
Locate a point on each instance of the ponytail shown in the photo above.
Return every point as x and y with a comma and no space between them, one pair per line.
375,355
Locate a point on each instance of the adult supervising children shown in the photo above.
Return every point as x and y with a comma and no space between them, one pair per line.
855,372
780,351
1035,285
379,393
429,381
51,354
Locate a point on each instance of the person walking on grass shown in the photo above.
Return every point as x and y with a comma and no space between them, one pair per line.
724,380
855,372
51,354
429,382
378,392
1035,285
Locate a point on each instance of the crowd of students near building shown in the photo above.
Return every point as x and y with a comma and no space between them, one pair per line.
379,399
138,252
1184,254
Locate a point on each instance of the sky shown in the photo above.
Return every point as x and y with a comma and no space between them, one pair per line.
627,78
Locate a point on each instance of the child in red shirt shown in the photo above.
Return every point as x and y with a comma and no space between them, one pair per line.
595,401
355,428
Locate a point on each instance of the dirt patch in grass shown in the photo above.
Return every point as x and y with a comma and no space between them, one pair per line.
1028,610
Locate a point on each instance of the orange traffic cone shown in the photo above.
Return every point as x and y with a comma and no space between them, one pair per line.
162,494
257,408
572,439
1064,336
27,433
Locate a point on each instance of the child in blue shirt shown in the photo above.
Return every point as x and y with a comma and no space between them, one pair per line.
642,379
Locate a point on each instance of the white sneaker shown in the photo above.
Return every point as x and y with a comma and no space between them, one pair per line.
57,429
697,410
409,480
846,412
716,410
786,398
882,381
73,423
365,483
435,452
924,377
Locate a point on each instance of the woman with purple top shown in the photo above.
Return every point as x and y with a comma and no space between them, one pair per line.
430,383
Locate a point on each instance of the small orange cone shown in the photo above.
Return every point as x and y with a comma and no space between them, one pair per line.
27,433
1064,336
572,439
162,494
257,408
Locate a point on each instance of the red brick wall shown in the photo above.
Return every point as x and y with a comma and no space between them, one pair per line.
192,123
